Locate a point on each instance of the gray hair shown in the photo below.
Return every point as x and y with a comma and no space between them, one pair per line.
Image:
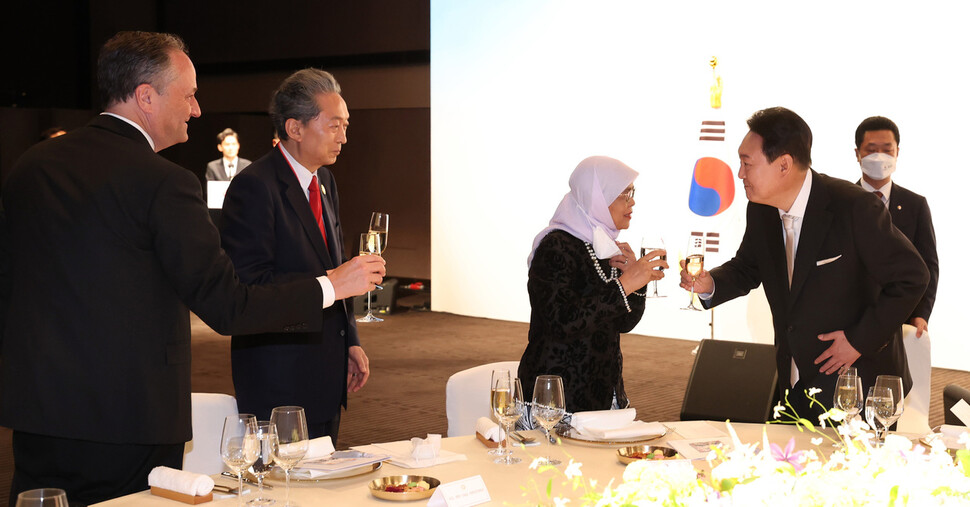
130,59
297,98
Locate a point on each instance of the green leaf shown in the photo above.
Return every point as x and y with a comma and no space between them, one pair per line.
549,489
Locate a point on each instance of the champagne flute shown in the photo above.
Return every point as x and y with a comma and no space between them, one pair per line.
508,407
548,406
848,394
895,386
499,378
379,223
370,244
694,264
267,443
239,445
291,432
43,497
649,243
883,409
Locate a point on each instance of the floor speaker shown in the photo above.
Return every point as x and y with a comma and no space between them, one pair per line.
731,380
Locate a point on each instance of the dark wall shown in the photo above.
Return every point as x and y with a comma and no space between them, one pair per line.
379,50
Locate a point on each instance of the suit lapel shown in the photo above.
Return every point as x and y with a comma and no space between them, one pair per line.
298,203
775,246
815,226
329,222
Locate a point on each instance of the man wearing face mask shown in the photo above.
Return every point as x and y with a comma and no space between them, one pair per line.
877,146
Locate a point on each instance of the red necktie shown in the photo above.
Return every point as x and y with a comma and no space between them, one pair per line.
316,205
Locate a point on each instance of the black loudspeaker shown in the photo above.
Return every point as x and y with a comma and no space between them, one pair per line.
951,395
731,380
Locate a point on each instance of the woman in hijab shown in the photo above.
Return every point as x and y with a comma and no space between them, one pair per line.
582,287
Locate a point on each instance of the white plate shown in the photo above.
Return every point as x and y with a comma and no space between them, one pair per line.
571,435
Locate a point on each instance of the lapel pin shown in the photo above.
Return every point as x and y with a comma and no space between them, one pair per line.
899,208
323,191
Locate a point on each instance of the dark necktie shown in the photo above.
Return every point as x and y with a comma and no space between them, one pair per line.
316,205
881,197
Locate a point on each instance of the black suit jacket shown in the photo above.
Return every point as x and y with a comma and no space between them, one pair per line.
853,271
911,215
216,170
111,246
271,235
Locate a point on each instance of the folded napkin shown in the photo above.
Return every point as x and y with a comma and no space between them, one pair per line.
602,419
632,430
319,448
180,481
426,448
489,429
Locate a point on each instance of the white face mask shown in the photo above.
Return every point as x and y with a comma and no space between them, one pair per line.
878,166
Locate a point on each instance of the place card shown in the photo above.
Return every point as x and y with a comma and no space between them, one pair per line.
696,429
461,493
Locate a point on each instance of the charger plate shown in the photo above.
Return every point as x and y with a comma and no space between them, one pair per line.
571,435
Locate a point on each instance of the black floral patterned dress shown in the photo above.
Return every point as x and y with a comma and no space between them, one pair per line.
576,322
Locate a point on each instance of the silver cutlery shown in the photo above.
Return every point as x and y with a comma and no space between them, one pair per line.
247,479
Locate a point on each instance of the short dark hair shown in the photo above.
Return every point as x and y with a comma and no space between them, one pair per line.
130,59
297,98
221,136
874,123
783,131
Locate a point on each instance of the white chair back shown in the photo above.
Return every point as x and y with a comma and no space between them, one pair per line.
209,412
467,393
916,406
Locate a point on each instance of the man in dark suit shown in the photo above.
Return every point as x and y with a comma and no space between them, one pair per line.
110,246
226,167
876,149
272,233
839,278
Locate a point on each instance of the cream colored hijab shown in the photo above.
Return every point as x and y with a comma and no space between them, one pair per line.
585,211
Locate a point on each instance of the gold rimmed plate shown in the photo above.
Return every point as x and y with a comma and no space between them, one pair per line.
571,435
277,475
378,487
632,453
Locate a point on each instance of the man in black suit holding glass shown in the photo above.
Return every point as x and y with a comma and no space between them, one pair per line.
839,278
110,246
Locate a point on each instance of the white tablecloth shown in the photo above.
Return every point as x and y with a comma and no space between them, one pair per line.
504,482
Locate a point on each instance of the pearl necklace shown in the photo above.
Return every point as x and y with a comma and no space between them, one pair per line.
599,269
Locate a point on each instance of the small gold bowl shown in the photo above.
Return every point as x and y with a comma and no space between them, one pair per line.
628,455
377,487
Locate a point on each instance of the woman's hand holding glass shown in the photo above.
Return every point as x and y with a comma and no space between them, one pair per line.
643,271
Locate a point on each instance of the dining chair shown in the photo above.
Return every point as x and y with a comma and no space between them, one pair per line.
916,404
209,411
952,394
467,396
731,380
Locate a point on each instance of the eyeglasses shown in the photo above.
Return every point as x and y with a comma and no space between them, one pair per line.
628,194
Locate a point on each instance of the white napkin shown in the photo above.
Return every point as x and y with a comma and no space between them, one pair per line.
426,448
953,432
602,419
632,430
319,448
489,429
180,481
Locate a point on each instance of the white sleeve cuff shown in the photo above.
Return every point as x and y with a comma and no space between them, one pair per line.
326,286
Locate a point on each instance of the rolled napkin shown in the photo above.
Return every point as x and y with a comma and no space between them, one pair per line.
180,481
426,448
319,448
602,419
489,429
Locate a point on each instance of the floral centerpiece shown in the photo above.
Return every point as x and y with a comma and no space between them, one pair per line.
765,473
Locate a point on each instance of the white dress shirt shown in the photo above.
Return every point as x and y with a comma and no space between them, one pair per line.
885,190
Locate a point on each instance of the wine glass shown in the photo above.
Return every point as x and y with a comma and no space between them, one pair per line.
499,377
239,445
43,497
895,386
267,442
694,264
507,406
848,394
291,432
548,406
883,409
379,223
649,243
370,244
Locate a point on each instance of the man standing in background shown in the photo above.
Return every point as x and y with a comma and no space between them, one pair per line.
876,150
223,169
110,246
281,220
